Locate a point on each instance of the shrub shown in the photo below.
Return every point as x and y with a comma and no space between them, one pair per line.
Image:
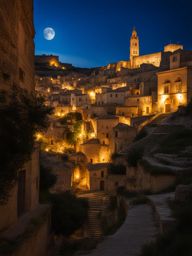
69,213
22,114
47,178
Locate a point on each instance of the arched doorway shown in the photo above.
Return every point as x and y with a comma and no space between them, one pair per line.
167,105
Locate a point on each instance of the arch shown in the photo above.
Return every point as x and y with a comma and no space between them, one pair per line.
178,80
167,105
167,81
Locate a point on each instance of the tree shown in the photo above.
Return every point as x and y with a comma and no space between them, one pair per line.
22,114
69,213
47,178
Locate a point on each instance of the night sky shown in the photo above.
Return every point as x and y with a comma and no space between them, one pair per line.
93,33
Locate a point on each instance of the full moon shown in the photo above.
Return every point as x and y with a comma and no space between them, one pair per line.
49,33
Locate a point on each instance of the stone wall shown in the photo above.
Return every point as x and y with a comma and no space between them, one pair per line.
139,180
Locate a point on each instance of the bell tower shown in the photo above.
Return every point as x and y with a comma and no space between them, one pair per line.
134,46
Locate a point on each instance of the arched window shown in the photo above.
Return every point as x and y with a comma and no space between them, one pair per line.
166,87
178,85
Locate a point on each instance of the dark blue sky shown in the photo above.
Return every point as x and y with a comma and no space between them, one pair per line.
97,32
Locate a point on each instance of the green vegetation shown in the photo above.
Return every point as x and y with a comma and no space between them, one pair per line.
118,207
113,204
177,241
71,118
70,247
69,213
47,178
22,114
73,122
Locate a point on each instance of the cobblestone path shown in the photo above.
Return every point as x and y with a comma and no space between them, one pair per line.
139,228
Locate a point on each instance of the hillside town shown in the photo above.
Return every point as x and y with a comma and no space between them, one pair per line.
97,113
93,161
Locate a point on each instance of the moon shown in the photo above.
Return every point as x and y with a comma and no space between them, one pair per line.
49,34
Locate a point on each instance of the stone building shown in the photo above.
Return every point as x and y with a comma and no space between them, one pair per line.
136,60
123,135
98,176
104,128
95,151
18,215
174,88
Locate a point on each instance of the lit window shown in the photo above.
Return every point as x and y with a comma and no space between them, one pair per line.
166,89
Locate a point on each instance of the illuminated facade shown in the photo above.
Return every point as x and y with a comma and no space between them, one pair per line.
136,60
174,89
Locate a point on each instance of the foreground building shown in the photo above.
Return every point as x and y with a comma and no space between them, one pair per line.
23,221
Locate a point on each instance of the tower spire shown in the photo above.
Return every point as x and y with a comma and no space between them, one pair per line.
134,46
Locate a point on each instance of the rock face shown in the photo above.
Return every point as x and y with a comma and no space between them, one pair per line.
22,210
183,193
16,44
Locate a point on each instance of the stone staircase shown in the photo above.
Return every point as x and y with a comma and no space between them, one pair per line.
98,202
155,120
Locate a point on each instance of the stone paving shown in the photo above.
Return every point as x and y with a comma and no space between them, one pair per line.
138,229
163,210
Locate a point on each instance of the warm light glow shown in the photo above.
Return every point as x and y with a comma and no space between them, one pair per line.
163,99
92,95
92,135
38,136
76,174
59,114
74,108
53,63
179,97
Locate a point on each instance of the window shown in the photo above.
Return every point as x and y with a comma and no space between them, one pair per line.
178,85
174,58
107,135
166,89
102,174
116,134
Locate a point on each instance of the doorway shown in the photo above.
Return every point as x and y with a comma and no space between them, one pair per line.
102,185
